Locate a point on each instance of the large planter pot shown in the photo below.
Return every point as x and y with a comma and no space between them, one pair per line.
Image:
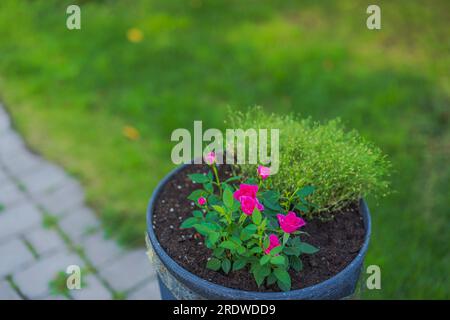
178,283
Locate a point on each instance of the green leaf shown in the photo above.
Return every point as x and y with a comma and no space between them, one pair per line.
236,239
271,279
307,248
251,181
239,264
219,209
235,178
205,228
241,249
256,216
236,206
245,236
213,199
189,223
248,231
213,237
251,228
211,216
256,250
278,260
227,187
276,250
266,242
228,245
283,286
213,264
260,273
208,187
285,238
226,265
198,178
258,278
264,260
295,242
283,276
296,263
305,191
271,195
197,214
270,200
292,251
301,207
272,205
228,199
218,252
196,194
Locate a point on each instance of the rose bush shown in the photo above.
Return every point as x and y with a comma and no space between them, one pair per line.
247,224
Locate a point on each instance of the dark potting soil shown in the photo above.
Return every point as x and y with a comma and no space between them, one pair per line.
339,239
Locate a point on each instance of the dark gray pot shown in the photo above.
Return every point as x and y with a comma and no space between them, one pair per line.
178,283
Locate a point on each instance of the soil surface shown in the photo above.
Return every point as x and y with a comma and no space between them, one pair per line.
339,239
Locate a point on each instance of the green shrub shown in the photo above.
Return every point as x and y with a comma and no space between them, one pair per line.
341,165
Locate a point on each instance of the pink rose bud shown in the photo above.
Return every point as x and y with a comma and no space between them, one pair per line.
201,201
290,222
210,158
263,172
273,242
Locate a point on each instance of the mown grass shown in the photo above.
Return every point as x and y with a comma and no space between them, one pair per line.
72,92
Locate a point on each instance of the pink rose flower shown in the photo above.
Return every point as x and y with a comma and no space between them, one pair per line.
290,222
201,201
248,190
210,158
246,195
248,204
263,172
274,242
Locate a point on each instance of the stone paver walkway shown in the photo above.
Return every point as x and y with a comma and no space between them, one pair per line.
46,227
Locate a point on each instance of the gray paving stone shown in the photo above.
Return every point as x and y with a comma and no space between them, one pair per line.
128,271
99,250
21,162
34,280
149,291
10,194
93,290
78,223
18,219
3,178
7,292
5,122
50,187
10,142
45,241
43,180
60,200
13,255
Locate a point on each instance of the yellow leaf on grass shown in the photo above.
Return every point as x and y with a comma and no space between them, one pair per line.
131,133
135,35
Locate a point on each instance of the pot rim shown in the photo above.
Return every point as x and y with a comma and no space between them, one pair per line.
187,277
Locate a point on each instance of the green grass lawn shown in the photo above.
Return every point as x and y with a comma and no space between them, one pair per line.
72,92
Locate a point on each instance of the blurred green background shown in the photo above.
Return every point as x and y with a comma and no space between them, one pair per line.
73,93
